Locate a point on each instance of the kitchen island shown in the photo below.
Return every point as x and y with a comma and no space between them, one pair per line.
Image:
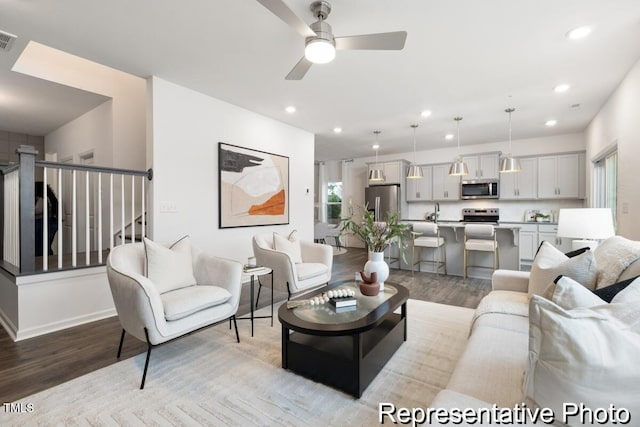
453,233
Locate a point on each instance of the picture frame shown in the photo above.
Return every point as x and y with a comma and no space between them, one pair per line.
253,187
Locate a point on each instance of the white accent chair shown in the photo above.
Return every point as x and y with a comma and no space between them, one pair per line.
155,317
480,238
314,270
429,238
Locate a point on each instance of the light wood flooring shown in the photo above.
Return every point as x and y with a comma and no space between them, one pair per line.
36,364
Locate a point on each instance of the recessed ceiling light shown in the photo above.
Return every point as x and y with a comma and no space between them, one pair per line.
375,146
561,88
290,109
337,130
425,113
551,123
449,136
579,32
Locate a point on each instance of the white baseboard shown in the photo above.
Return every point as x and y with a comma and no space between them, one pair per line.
59,325
8,326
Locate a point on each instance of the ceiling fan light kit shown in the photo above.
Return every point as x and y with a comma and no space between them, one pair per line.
458,167
320,44
509,164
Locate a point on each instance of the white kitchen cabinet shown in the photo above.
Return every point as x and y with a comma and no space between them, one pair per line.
523,184
560,176
482,166
549,232
394,172
419,190
528,243
445,187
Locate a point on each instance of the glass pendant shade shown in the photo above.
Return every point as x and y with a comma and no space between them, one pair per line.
458,168
509,164
415,172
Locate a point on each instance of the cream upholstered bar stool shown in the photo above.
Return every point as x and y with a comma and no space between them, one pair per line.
429,238
480,238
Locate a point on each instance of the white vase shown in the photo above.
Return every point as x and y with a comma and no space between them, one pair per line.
377,263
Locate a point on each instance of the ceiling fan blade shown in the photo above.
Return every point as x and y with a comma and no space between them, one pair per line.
379,41
300,69
282,11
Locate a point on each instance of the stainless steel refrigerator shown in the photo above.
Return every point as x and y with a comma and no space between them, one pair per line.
383,200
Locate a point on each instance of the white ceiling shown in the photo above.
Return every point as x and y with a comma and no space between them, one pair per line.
462,57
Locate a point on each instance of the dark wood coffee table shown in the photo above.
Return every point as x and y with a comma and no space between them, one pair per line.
345,350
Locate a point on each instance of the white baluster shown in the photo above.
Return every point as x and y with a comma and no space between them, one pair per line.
74,221
60,233
110,211
122,236
133,208
45,222
87,224
99,217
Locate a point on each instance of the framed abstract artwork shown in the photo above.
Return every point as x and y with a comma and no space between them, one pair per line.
253,187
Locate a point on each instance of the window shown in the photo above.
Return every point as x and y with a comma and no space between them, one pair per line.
334,202
605,182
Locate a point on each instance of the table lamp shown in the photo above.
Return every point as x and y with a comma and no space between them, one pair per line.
587,226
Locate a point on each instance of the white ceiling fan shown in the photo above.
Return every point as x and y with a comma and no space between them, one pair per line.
320,44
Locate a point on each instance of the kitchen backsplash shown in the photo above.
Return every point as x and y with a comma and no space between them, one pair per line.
509,210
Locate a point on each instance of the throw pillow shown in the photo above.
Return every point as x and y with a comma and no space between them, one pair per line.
584,355
609,292
613,256
550,263
629,294
569,294
169,268
289,245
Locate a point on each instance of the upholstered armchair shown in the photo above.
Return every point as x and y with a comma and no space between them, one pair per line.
156,305
301,269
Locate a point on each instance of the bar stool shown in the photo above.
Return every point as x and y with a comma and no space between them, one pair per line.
483,239
429,239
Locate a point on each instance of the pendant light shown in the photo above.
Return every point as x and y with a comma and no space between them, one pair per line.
508,163
458,167
415,171
376,174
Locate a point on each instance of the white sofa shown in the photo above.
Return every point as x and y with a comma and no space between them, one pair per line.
492,367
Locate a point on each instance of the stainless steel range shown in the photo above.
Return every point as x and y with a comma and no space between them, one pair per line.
491,215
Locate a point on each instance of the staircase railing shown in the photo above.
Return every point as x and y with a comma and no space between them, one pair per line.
92,202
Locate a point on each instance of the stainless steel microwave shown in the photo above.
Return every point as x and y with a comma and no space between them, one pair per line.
480,189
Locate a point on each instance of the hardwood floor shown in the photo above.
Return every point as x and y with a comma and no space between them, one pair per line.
36,364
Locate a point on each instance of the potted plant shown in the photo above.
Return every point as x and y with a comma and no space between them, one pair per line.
377,236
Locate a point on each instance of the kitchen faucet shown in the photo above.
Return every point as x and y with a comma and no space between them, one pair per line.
436,211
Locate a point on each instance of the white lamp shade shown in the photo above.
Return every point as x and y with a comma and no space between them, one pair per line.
586,223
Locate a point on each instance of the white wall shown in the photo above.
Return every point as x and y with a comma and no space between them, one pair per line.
618,122
186,128
90,132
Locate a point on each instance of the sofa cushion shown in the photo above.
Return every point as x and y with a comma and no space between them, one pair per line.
503,309
492,366
629,294
307,270
169,268
550,263
586,355
613,256
569,294
186,301
289,245
609,292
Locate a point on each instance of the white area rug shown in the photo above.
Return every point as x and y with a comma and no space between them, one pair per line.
209,379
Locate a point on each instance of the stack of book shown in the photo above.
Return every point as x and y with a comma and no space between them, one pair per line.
344,304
